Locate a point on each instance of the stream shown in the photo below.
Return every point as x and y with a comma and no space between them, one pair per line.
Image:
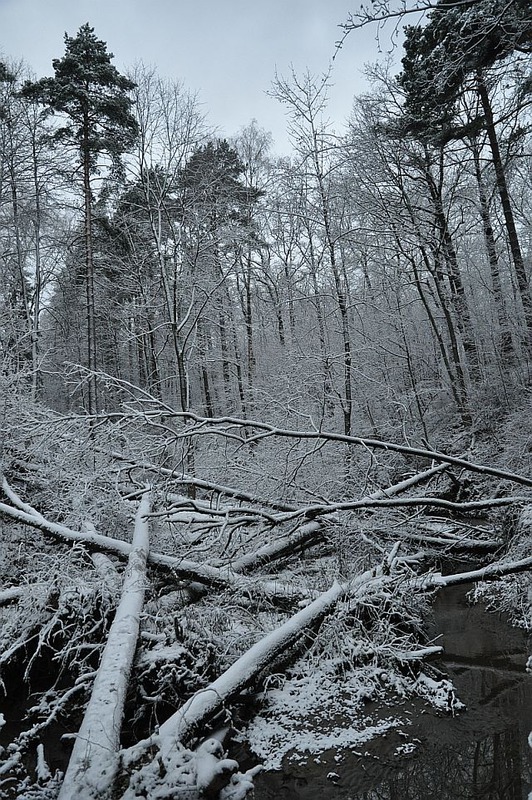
481,753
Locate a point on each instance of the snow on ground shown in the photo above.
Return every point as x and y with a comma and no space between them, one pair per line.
310,714
440,694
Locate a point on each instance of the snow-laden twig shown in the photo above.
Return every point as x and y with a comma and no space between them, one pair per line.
93,765
447,541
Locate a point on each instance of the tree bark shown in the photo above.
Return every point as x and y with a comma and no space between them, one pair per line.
94,761
509,220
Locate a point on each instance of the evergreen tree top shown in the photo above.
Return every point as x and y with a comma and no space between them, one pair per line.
87,61
6,76
90,90
214,174
458,41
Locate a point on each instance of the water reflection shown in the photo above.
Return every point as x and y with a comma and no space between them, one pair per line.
481,754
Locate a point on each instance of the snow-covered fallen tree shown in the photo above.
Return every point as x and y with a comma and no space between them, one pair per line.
93,764
203,573
187,723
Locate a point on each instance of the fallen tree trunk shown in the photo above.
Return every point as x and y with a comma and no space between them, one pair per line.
304,536
231,427
182,479
94,761
106,570
188,722
214,577
491,572
312,532
11,595
407,483
184,725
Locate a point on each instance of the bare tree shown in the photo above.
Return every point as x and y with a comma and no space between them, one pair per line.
306,101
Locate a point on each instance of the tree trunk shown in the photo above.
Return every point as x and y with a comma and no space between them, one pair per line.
248,322
94,762
509,220
36,382
92,405
445,251
207,575
456,377
452,360
506,345
188,722
184,724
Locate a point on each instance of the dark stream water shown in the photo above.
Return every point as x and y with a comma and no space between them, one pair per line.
482,753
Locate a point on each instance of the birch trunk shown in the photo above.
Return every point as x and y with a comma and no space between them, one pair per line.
93,765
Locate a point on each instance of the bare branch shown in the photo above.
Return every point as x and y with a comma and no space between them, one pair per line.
230,426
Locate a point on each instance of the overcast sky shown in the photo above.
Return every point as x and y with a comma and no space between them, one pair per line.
225,50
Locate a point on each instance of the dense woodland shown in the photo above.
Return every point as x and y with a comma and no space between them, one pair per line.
249,403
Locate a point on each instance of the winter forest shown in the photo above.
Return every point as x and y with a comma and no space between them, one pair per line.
257,413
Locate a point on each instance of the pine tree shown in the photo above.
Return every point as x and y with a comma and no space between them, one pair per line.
217,210
93,96
458,43
451,56
212,184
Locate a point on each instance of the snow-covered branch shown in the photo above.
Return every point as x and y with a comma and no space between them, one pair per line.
232,427
408,502
205,574
11,595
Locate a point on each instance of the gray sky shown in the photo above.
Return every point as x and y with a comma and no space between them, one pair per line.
226,50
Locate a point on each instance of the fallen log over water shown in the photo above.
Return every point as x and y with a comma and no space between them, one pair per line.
193,718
